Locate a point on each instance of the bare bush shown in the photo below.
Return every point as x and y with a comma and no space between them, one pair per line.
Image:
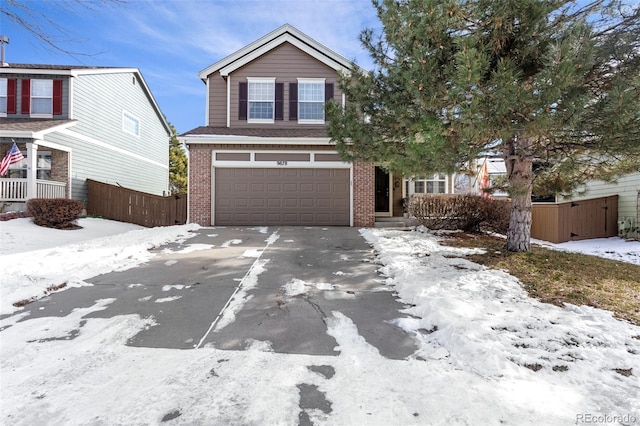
56,213
465,212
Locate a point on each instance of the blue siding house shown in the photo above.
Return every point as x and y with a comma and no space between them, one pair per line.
75,123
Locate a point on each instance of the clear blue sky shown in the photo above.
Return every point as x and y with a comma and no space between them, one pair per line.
170,41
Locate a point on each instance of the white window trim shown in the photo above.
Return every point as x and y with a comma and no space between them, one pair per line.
4,82
321,81
127,115
412,183
31,97
272,81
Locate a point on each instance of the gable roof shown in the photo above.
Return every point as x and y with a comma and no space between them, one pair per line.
76,70
284,34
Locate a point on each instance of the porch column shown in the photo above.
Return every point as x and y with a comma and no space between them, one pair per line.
32,170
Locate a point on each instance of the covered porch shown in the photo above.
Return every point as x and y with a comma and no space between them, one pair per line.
17,189
45,170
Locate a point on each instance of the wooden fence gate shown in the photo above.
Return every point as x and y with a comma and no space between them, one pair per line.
127,205
575,220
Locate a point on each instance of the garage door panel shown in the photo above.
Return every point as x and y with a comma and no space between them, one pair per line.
282,196
307,202
290,203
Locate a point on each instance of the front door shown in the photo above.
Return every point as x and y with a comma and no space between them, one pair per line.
382,193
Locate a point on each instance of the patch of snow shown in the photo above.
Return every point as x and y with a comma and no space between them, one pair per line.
272,238
170,262
252,253
226,244
611,248
296,287
28,274
170,286
167,299
190,248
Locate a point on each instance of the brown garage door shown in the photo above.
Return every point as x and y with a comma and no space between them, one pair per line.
245,196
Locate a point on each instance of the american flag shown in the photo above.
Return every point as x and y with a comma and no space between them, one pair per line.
12,156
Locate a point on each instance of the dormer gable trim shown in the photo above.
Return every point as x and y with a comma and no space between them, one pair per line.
284,34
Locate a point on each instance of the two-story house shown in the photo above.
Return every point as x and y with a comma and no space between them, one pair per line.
264,157
74,123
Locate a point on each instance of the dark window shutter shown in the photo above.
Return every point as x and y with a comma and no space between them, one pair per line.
328,92
12,95
57,97
279,101
25,105
293,101
243,94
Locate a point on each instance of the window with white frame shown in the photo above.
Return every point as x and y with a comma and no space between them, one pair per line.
436,184
41,98
261,100
43,164
310,100
3,97
130,123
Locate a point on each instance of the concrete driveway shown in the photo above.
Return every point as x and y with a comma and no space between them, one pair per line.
232,287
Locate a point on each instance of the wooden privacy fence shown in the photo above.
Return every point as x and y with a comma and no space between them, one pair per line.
127,205
575,220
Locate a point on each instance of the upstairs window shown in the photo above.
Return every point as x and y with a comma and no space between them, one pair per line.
311,101
261,100
130,123
41,98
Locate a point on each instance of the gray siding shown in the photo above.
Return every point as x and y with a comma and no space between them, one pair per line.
287,63
99,101
627,188
104,165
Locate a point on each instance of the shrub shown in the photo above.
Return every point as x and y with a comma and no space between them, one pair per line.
465,212
56,213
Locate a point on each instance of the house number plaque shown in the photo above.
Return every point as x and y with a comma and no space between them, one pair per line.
281,163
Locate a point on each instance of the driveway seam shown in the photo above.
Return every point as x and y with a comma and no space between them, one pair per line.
269,241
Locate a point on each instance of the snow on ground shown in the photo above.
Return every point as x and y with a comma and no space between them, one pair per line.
35,258
611,248
487,353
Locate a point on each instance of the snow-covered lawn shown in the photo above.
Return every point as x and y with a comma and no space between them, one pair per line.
487,353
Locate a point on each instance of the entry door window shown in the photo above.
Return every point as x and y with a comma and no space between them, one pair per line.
382,191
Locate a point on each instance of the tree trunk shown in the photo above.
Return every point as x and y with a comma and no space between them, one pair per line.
519,165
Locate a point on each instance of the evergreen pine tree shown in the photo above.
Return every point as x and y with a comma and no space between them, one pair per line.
177,165
553,83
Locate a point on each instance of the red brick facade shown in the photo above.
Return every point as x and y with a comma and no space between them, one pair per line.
363,194
200,186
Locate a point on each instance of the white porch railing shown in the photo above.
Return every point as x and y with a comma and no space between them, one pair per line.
16,189
51,189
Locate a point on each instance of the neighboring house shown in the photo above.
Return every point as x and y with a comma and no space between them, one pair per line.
76,123
490,169
628,190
